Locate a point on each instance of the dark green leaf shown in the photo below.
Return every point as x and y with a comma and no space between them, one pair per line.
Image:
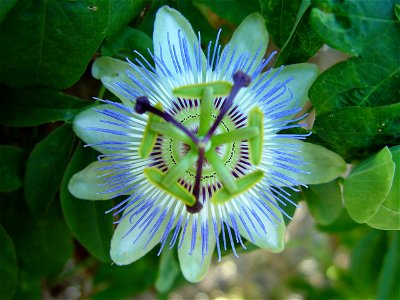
122,282
9,267
324,201
129,39
351,83
31,107
234,12
366,262
10,163
357,132
280,17
6,6
168,271
368,185
389,278
121,13
87,219
45,168
43,245
303,42
56,39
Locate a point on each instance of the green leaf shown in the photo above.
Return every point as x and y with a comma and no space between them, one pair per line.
368,185
280,17
324,201
123,282
355,132
388,214
5,8
363,27
10,164
45,168
57,39
87,219
366,262
168,271
129,39
121,13
389,277
343,223
43,245
35,106
9,267
303,42
351,83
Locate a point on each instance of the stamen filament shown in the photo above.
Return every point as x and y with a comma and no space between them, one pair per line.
222,171
234,135
205,110
177,170
172,132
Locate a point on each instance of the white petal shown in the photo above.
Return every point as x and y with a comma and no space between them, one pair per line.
194,266
111,71
320,164
129,247
274,236
86,185
87,122
167,24
251,39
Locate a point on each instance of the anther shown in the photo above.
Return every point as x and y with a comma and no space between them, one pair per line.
142,105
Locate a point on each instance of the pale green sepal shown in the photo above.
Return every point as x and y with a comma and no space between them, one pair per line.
170,21
125,249
368,185
193,267
92,119
111,70
274,238
302,77
86,185
322,165
251,36
196,91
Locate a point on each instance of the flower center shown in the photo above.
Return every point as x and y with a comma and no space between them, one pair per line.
202,147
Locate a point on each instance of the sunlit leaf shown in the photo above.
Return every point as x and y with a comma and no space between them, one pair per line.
368,185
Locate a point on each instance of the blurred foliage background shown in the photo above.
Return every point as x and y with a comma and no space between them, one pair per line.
343,242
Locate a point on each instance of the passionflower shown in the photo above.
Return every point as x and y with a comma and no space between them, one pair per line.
195,146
